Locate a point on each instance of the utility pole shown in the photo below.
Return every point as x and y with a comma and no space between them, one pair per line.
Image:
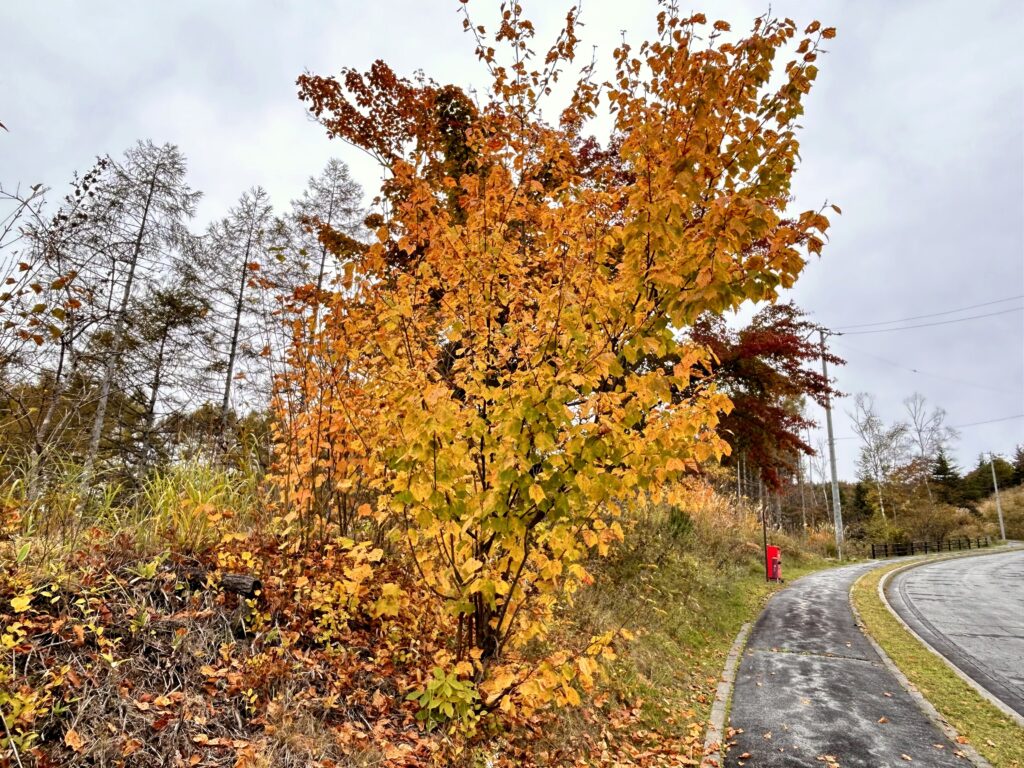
803,503
837,510
999,507
764,533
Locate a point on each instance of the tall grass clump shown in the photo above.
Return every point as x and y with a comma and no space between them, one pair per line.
189,505
184,507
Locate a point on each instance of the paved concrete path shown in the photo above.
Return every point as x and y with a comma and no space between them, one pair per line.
811,690
971,610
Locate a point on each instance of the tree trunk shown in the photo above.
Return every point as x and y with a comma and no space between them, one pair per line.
147,448
42,432
115,353
881,501
233,349
803,501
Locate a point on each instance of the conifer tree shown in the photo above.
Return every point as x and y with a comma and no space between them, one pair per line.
945,476
147,203
236,253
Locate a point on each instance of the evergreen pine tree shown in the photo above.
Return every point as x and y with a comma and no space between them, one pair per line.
945,477
1018,465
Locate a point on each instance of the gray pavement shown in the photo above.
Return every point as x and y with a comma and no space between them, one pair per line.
971,610
812,691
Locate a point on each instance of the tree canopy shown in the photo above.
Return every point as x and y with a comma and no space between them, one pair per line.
482,379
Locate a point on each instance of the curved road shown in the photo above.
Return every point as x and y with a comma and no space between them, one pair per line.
971,610
811,690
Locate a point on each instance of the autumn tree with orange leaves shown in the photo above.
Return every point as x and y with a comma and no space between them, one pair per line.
477,389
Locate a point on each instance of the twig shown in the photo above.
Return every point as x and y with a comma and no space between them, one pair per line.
10,740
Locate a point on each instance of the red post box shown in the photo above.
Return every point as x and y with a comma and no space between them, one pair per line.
773,563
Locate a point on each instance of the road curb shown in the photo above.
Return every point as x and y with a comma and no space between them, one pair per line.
923,704
714,739
981,690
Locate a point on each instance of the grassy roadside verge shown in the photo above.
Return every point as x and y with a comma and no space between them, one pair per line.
992,733
683,643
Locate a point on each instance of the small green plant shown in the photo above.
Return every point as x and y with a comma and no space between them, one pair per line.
148,571
20,709
680,524
445,699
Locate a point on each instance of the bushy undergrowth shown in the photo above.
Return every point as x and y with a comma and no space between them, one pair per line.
1012,502
120,647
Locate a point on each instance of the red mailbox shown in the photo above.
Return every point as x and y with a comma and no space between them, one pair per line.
773,563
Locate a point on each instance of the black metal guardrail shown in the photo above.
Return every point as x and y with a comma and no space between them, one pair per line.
905,549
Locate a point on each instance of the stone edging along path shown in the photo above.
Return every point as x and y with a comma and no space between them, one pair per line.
714,740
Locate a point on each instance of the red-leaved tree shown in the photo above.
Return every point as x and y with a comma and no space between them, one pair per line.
769,369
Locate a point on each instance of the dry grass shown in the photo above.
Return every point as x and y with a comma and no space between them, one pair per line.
1012,501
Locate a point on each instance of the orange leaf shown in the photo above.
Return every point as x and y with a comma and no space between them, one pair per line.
73,740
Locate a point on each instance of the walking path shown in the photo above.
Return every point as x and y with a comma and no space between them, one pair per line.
971,610
812,691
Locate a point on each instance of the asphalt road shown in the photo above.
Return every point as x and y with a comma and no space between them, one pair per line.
971,610
812,692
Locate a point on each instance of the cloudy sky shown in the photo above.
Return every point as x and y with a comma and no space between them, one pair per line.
915,128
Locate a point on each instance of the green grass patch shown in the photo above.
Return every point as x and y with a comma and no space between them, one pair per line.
998,738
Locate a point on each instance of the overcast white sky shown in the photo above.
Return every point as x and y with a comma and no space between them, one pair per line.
915,128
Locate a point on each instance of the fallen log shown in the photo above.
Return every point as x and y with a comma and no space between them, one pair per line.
241,584
238,583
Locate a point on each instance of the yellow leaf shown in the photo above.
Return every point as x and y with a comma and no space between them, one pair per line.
421,490
571,695
21,603
675,464
537,494
497,685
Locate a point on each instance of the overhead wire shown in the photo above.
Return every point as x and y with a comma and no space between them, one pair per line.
928,325
924,373
874,325
957,426
989,421
935,314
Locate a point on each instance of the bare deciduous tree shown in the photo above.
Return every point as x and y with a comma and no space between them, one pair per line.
883,448
928,432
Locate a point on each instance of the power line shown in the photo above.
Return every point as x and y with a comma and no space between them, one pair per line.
925,373
957,426
990,421
928,325
935,314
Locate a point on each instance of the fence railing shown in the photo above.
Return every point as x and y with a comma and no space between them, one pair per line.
905,549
